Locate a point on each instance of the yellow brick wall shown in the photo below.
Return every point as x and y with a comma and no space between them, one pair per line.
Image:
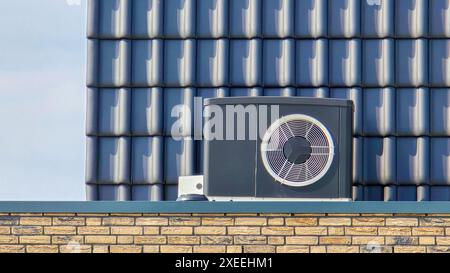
231,233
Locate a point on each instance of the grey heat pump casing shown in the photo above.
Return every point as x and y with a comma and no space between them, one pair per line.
235,169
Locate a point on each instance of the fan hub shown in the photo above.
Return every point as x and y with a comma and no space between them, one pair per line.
297,150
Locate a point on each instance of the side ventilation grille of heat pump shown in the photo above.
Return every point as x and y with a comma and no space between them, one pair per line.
297,150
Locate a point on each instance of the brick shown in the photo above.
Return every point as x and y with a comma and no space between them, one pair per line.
93,221
5,230
427,241
292,249
93,230
409,249
402,222
23,214
125,240
36,221
301,221
176,230
336,231
259,249
335,240
12,249
59,239
361,231
9,221
318,249
309,214
125,249
409,215
250,240
250,221
443,240
209,249
343,214
275,214
210,230
27,230
93,214
428,231
302,240
368,240
150,240
183,240
100,249
275,240
435,221
184,221
402,240
69,221
380,215
151,249
342,249
216,240
368,221
118,221
218,221
438,249
394,231
99,239
234,249
208,214
176,249
126,214
8,239
187,215
151,230
37,240
126,230
244,230
277,231
60,230
376,249
311,231
75,249
241,214
275,221
42,249
335,221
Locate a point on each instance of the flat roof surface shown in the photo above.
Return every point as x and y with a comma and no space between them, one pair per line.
224,207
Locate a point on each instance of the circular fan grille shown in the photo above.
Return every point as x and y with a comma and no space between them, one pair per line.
316,158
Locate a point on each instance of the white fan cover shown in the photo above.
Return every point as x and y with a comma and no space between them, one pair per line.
317,161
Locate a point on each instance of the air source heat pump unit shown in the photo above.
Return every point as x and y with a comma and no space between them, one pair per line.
302,149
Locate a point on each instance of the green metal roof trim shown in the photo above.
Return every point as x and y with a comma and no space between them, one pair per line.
224,207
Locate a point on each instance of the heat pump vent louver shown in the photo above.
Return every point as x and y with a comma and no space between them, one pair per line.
297,150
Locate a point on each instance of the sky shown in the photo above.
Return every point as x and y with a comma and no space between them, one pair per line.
42,100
